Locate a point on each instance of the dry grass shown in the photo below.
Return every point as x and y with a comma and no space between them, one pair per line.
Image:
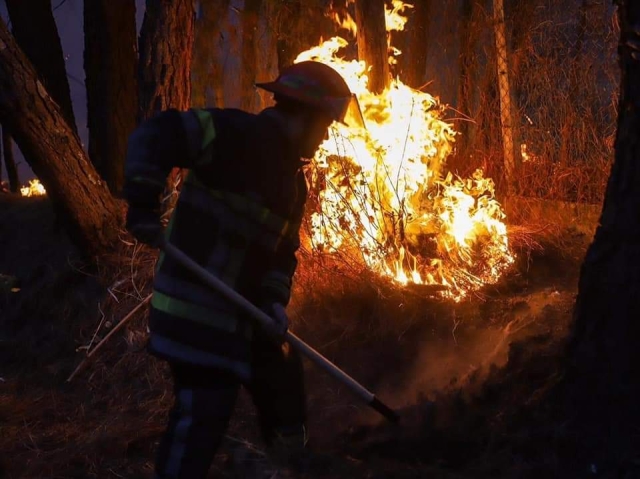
567,85
564,78
112,412
108,419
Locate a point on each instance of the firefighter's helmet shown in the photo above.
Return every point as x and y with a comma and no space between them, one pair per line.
316,85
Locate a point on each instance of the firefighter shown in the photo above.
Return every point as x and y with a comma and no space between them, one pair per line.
238,215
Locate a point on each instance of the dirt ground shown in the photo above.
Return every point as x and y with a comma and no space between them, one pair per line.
466,377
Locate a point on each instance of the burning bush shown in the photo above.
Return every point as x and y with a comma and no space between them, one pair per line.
382,197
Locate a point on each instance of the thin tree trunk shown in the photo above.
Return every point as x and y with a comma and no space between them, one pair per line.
506,114
468,86
412,63
166,46
576,92
298,25
207,74
9,161
582,26
55,153
249,21
34,28
287,48
604,353
373,42
110,58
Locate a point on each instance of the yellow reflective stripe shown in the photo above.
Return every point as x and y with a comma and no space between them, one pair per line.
208,129
259,213
145,180
194,312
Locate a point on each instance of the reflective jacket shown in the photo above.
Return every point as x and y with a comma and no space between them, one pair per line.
238,215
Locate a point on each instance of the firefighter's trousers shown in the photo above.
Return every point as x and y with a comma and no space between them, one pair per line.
205,399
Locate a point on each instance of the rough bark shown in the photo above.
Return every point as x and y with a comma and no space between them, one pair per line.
506,111
414,42
166,45
164,68
298,25
249,21
110,59
207,74
605,357
6,151
34,28
54,152
373,42
576,91
287,51
468,96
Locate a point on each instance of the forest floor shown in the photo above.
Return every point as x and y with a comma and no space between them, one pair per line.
466,377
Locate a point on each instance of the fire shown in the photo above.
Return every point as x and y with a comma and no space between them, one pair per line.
35,188
383,198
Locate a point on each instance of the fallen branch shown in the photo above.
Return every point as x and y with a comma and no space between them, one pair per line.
122,322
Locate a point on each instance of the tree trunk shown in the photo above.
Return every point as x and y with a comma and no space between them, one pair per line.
373,42
298,25
55,153
249,21
110,58
506,113
34,28
207,74
6,150
605,357
166,45
468,96
412,63
576,97
287,47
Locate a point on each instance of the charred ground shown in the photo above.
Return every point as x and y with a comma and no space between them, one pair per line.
471,379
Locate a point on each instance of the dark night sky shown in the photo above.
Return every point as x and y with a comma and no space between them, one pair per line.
68,16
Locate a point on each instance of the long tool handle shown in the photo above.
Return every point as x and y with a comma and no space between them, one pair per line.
267,324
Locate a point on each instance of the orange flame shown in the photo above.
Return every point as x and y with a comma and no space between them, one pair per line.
383,197
35,188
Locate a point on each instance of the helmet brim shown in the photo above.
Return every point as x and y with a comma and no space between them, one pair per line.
335,107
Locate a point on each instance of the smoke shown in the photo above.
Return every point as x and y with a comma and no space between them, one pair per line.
460,361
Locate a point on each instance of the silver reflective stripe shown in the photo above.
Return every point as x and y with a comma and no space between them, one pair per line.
179,308
191,355
194,293
181,433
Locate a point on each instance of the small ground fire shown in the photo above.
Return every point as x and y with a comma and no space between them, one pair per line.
34,188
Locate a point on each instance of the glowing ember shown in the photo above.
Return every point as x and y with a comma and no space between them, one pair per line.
35,188
382,197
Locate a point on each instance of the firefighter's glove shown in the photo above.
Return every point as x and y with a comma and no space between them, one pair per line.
278,314
145,226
